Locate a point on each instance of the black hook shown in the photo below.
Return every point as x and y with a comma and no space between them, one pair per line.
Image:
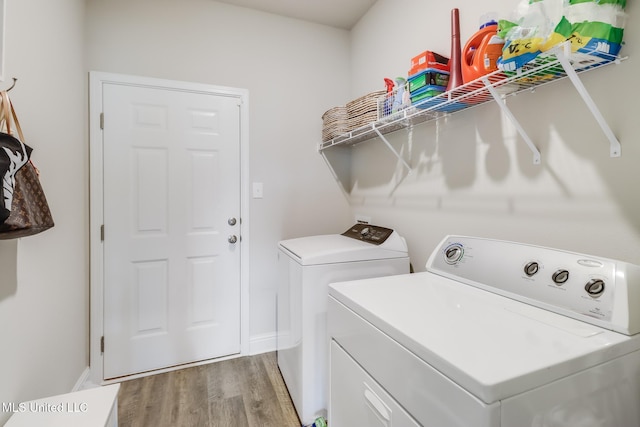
12,85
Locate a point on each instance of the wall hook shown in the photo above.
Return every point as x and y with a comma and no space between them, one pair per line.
12,85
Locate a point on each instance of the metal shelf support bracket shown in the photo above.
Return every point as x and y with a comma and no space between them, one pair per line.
563,55
505,109
390,147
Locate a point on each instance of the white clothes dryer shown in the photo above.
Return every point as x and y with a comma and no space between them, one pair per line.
306,267
493,334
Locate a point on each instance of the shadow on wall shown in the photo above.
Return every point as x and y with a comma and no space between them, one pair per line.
471,149
8,268
447,148
579,132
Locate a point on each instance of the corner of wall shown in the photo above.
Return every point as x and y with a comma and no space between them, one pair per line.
9,268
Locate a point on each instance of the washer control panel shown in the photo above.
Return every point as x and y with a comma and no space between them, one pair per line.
368,233
593,289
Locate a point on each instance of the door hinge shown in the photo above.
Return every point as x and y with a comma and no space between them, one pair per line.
102,344
102,121
102,233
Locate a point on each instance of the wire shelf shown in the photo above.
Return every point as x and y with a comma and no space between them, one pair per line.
553,65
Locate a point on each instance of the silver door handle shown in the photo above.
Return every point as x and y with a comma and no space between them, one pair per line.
233,238
231,221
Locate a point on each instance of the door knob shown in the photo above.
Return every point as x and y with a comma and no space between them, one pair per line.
231,221
233,238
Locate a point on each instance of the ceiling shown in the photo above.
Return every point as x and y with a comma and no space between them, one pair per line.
335,13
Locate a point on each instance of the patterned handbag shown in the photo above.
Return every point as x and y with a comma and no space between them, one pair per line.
29,211
13,155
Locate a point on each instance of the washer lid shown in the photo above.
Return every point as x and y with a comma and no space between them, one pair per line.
492,346
336,248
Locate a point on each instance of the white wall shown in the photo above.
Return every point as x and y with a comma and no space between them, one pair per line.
44,295
472,174
294,71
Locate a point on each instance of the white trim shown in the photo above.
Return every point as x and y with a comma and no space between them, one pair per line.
83,380
96,81
264,343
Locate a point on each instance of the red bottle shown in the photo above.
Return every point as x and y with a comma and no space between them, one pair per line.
455,63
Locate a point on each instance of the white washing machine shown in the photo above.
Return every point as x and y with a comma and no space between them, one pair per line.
493,334
306,267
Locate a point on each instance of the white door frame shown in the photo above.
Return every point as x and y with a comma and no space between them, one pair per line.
96,217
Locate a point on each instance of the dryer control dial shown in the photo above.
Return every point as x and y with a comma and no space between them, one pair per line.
531,268
453,253
595,287
560,276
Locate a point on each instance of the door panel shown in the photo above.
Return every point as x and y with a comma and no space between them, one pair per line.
171,180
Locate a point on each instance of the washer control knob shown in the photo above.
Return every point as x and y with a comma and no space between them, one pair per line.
560,277
594,287
453,254
531,268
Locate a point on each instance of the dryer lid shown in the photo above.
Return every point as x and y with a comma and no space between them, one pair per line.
337,248
492,346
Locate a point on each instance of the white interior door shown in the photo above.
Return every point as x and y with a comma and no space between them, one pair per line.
171,191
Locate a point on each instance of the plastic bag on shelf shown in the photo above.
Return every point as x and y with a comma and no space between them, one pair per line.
597,26
537,26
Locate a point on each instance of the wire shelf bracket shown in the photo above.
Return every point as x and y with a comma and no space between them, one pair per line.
390,147
334,173
506,111
563,58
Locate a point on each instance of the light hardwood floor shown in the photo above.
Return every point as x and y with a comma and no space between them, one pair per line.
243,392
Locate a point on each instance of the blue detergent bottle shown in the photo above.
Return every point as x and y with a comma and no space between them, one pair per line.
398,100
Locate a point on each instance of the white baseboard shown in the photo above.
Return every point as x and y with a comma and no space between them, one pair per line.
262,343
84,382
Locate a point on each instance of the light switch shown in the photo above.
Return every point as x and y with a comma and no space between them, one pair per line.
258,192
